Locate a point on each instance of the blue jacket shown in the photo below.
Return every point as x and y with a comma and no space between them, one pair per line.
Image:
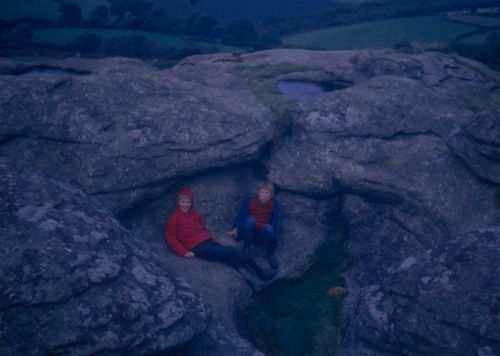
244,213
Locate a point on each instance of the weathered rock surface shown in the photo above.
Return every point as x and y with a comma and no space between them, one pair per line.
117,119
74,281
394,147
223,286
478,144
442,292
406,152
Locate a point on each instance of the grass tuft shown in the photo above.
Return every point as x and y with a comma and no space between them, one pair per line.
261,78
301,316
481,101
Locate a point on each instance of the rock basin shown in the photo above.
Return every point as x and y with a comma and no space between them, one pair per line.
304,89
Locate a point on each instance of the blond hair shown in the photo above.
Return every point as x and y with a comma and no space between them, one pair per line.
266,185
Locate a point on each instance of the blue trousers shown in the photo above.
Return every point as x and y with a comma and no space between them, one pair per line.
258,235
212,251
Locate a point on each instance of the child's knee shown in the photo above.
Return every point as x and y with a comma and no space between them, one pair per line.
268,230
250,223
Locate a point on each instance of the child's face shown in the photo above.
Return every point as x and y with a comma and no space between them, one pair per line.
264,195
184,203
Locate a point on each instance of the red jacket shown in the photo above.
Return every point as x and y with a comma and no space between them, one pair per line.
185,230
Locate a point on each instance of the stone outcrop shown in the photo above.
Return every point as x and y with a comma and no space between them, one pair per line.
478,145
405,151
103,124
75,282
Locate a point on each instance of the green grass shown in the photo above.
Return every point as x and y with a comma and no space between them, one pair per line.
273,98
263,86
481,21
298,317
381,34
480,37
481,101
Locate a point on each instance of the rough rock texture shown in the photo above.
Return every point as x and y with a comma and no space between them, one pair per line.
478,144
406,152
104,128
420,294
223,286
75,282
391,146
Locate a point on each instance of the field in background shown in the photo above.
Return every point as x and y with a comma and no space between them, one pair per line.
489,26
382,34
480,21
479,37
465,32
476,20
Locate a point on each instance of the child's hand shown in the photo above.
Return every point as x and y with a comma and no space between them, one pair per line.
232,233
189,254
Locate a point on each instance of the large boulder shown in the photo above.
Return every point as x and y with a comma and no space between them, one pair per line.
104,124
415,164
417,289
478,144
75,282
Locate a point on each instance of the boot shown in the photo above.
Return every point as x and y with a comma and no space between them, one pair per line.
252,280
246,247
266,275
250,276
273,262
261,273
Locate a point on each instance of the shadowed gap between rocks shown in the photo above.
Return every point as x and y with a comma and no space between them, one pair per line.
256,167
474,173
8,138
497,197
300,314
46,69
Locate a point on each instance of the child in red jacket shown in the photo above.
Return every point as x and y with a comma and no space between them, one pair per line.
187,235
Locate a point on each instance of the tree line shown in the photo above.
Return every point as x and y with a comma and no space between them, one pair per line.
158,16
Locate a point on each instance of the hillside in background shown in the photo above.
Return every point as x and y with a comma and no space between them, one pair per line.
223,10
173,29
258,10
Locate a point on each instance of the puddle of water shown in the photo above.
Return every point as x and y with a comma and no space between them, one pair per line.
299,90
303,89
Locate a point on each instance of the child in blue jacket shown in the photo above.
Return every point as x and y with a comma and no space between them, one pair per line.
258,221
